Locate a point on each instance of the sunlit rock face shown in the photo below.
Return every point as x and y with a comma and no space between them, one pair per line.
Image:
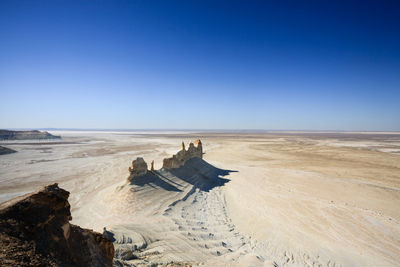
180,158
35,231
138,168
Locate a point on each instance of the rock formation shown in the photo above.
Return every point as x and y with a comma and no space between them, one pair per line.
35,231
180,158
26,135
139,168
152,165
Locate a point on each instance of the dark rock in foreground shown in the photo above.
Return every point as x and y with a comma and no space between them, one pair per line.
35,231
26,135
5,150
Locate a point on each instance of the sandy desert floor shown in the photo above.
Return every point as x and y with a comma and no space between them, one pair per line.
276,199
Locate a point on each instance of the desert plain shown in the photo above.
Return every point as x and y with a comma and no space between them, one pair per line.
258,199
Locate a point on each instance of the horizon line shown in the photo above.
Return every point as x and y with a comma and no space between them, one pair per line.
197,129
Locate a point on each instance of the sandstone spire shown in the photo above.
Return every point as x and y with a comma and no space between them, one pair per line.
183,146
199,146
197,143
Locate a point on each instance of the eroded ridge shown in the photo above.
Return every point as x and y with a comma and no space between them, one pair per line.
184,220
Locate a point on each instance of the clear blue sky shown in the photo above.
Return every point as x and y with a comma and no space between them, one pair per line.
319,65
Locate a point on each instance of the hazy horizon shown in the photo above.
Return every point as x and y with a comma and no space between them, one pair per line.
322,66
198,130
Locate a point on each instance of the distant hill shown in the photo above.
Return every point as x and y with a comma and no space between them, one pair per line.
26,135
5,150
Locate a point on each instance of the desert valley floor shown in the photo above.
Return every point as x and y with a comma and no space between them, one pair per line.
271,199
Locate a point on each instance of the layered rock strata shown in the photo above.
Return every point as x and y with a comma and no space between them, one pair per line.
35,231
26,135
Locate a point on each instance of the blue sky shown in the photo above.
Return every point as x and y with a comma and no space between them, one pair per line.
311,65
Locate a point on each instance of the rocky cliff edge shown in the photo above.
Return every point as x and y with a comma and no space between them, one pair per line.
35,231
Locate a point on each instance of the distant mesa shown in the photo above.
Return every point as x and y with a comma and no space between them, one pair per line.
195,150
5,150
26,135
35,231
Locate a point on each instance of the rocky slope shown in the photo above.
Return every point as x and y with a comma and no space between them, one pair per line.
26,135
35,231
183,215
178,216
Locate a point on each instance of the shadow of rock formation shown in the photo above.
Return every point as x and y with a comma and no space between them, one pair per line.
154,179
195,171
200,174
186,165
6,150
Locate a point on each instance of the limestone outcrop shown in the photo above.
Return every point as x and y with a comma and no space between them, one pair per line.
180,158
138,168
35,231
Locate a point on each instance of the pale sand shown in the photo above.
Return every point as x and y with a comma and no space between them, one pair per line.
295,199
